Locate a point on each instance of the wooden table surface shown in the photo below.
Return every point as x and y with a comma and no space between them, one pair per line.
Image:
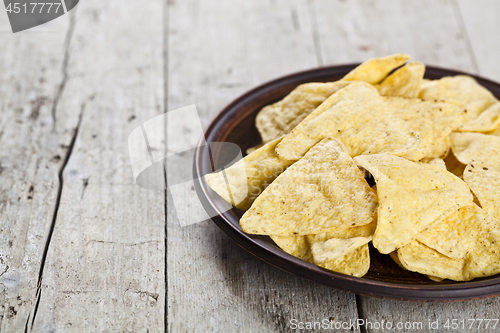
83,249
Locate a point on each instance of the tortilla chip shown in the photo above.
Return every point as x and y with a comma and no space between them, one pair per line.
252,149
417,257
452,237
476,147
462,89
404,82
432,121
334,248
395,258
348,255
484,181
367,123
242,182
487,121
475,230
278,119
437,162
375,70
484,259
354,263
324,190
412,197
297,246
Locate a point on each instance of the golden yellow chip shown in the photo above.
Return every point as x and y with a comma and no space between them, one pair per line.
475,230
496,131
404,82
487,121
412,197
417,257
437,162
375,70
297,246
432,121
484,181
334,248
462,89
476,147
242,182
452,237
367,123
324,190
484,259
278,119
354,263
395,258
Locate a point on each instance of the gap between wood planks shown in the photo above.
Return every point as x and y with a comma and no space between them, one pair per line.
166,31
59,92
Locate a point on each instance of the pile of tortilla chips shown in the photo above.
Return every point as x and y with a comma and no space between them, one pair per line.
431,146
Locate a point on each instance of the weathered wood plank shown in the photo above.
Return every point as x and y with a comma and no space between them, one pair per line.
429,31
216,51
105,263
32,152
354,31
480,22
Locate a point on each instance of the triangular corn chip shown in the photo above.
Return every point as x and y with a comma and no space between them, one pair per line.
437,162
404,82
355,263
484,181
496,131
367,123
278,119
487,121
324,190
476,147
462,89
242,182
432,121
417,257
482,241
412,197
297,246
375,70
452,237
484,259
454,166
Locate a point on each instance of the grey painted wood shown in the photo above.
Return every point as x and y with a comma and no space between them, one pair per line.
216,51
105,263
32,152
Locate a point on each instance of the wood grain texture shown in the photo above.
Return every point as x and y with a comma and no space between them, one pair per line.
105,262
32,152
216,51
72,91
431,32
480,21
354,31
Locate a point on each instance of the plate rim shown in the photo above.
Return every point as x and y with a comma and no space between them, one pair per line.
488,287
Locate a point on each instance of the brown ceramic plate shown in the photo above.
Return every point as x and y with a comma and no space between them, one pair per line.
384,279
